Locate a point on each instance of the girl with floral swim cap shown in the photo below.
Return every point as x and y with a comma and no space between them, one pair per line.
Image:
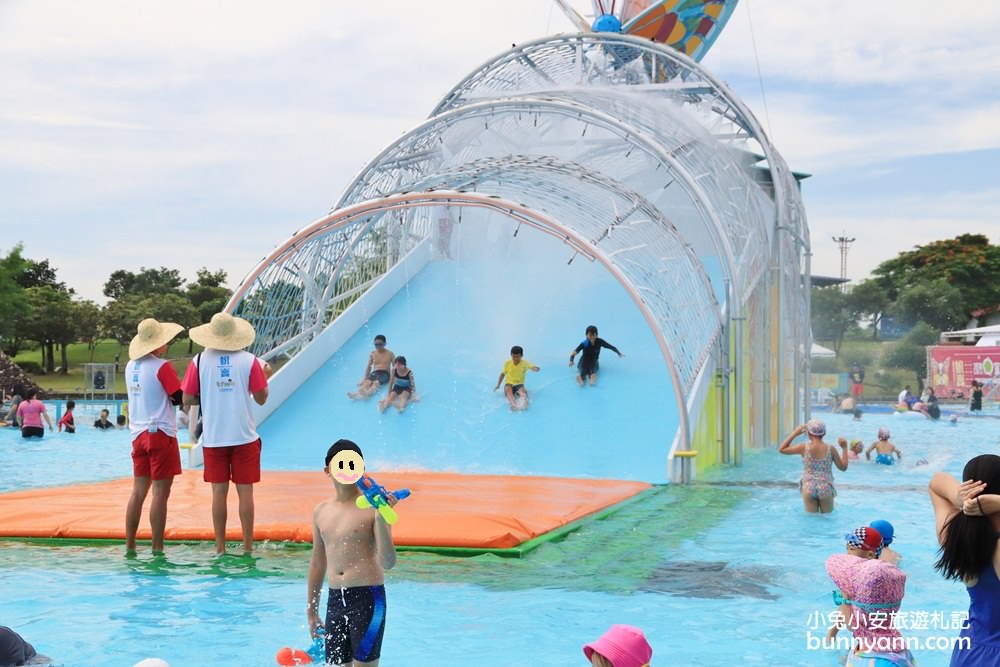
818,459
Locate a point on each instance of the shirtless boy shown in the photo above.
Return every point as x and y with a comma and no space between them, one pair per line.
352,547
376,372
883,449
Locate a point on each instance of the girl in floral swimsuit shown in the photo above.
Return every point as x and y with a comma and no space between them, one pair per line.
818,459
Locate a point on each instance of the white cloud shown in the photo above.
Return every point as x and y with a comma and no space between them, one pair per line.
119,119
898,224
894,42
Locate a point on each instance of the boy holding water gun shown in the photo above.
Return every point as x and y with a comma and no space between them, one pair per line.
352,548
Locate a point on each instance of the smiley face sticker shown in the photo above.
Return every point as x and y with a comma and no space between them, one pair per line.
345,462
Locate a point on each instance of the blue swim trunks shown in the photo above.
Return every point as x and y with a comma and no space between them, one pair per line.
382,377
355,623
885,459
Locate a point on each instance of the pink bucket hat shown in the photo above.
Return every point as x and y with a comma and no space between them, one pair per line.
867,583
623,645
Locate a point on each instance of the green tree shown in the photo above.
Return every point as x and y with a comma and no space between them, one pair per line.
13,302
50,322
166,308
932,303
831,316
967,262
119,319
208,293
87,316
147,282
868,301
910,352
36,274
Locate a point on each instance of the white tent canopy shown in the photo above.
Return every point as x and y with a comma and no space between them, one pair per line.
988,336
820,352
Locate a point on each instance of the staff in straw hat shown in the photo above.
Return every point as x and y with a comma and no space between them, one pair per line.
154,390
223,379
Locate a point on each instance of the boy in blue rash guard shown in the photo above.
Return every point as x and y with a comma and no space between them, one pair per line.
352,548
589,359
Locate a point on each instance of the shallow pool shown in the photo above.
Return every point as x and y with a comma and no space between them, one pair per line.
727,571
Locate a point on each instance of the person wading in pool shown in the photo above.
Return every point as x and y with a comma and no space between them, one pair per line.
15,651
818,459
883,449
154,391
967,523
352,548
30,413
225,379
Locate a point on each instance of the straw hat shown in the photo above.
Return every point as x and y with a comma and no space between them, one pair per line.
152,335
225,332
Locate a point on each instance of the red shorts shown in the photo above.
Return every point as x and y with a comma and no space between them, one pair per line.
857,389
155,455
238,463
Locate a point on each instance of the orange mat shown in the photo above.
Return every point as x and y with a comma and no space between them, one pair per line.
445,510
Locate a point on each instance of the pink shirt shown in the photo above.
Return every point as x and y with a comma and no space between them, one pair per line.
29,413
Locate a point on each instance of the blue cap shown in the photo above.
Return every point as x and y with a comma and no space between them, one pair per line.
885,529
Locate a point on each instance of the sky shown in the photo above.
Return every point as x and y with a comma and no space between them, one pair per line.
194,133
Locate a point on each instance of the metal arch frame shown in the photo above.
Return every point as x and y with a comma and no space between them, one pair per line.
784,187
734,313
640,203
455,178
573,111
745,119
511,209
523,52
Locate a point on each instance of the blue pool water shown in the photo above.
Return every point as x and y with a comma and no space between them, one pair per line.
729,570
726,571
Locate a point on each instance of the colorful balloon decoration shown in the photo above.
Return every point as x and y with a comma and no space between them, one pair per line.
690,26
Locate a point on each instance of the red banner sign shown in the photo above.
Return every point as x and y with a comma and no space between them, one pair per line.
953,368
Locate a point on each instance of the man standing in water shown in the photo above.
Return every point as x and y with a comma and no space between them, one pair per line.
223,379
153,392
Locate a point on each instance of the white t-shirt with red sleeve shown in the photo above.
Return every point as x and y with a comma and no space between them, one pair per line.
150,382
226,382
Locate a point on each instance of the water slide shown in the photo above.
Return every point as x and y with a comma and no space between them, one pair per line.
455,320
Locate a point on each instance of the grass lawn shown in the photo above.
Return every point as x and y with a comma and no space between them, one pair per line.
881,382
71,384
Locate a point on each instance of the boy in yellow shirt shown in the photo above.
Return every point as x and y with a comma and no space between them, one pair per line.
515,369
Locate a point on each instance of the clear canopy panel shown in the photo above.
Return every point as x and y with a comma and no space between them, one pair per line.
633,155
